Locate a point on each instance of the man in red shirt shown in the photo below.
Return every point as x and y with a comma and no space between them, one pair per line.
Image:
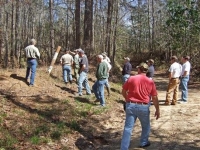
136,91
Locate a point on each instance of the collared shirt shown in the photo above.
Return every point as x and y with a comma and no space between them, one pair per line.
139,88
84,61
32,52
186,67
127,68
102,71
150,72
175,69
66,59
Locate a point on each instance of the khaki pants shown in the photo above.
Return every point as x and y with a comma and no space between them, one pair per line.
173,86
76,74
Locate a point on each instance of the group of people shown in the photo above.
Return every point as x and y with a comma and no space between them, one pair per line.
178,75
81,68
138,90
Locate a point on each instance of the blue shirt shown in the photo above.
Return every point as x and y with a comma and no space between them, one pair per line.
150,72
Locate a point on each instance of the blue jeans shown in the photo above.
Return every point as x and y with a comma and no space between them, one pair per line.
67,73
83,80
184,89
134,111
98,89
32,65
125,78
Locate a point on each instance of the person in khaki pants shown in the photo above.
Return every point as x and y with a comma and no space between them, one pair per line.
173,86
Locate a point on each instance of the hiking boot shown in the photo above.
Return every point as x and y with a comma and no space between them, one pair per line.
166,103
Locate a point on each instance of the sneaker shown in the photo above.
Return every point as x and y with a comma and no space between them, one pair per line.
78,94
183,102
146,145
31,85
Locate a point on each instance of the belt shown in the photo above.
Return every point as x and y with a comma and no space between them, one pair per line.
30,58
175,78
139,103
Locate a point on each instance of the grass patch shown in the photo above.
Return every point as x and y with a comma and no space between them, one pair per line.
35,139
8,141
56,135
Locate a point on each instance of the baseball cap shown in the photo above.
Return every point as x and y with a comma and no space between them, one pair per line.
174,58
143,65
81,51
150,60
126,58
186,57
104,53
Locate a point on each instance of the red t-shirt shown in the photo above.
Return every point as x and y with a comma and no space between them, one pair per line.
139,88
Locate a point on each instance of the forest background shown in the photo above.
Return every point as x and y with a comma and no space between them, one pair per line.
139,29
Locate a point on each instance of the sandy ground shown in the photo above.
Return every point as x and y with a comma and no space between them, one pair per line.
177,129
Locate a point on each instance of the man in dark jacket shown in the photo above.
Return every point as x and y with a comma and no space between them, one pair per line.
126,69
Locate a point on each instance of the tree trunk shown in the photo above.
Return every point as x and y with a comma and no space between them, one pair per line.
88,22
17,32
115,31
51,3
77,24
108,28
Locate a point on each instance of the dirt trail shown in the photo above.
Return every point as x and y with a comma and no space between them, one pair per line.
177,129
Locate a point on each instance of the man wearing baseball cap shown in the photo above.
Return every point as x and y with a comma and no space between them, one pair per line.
173,86
136,91
126,69
67,61
83,71
151,70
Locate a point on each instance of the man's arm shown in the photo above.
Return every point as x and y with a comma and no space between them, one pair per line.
156,105
124,93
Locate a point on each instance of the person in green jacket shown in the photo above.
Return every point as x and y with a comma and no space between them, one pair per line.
101,75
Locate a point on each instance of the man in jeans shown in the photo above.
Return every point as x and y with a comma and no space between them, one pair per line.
67,61
83,71
126,69
185,78
109,68
173,86
31,53
151,70
102,76
136,91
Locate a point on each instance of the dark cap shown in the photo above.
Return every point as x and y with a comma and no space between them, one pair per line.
143,65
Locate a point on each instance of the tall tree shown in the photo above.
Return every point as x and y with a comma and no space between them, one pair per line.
77,24
109,26
51,4
88,26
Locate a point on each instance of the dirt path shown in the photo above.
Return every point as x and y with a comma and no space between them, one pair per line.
177,129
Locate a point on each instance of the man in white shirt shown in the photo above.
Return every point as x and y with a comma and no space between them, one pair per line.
173,86
67,61
185,78
109,68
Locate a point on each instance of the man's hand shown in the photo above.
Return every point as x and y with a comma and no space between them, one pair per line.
157,114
